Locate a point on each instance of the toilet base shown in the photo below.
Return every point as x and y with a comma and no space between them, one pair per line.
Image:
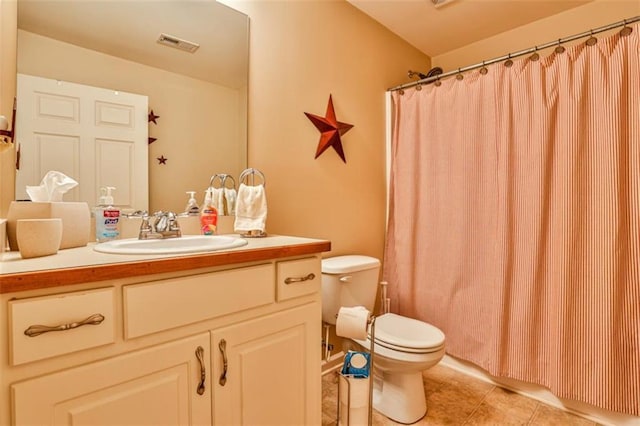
400,396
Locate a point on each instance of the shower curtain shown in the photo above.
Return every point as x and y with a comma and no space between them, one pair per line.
514,221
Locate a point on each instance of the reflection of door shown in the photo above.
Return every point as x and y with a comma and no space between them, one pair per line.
98,137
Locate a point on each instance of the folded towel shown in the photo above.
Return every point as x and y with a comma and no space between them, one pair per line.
251,208
217,200
230,196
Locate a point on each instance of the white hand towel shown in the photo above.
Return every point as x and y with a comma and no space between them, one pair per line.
217,197
251,208
230,196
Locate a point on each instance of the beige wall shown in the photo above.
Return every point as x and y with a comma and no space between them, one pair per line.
201,126
573,21
8,19
302,51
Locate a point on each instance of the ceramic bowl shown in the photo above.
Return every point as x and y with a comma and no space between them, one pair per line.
38,237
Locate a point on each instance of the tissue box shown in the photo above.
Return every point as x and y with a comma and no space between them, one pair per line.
76,220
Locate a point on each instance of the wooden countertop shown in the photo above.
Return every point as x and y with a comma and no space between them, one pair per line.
83,264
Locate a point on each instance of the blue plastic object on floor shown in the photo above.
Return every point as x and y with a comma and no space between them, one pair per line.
356,364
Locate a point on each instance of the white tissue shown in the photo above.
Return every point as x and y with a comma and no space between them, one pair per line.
352,322
54,184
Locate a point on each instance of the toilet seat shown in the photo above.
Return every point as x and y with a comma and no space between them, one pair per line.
407,335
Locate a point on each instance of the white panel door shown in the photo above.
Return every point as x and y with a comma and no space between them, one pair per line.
99,137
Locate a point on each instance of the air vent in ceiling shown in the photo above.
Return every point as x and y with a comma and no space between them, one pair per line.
178,43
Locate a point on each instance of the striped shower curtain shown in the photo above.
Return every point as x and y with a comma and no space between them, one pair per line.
514,220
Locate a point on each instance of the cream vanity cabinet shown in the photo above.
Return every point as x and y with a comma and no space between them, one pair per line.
155,386
229,345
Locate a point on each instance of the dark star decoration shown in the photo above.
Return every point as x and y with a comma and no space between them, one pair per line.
162,160
152,117
152,140
330,130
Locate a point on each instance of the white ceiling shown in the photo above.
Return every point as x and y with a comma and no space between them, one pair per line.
129,29
456,23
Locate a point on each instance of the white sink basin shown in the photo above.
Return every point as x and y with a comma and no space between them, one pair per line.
184,244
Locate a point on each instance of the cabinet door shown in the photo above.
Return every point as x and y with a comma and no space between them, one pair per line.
272,375
154,386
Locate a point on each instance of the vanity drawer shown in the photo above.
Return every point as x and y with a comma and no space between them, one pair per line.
72,322
165,304
298,277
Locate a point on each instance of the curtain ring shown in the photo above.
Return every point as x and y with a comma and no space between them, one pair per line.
418,87
508,63
559,48
625,31
484,69
438,83
459,76
401,92
591,40
535,55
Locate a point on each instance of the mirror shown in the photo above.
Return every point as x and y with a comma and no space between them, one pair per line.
200,98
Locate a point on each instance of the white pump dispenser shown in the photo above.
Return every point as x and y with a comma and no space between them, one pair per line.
192,208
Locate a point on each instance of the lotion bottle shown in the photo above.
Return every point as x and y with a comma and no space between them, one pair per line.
208,215
107,216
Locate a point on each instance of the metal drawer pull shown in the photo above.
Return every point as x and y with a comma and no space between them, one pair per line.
223,350
203,372
36,330
291,280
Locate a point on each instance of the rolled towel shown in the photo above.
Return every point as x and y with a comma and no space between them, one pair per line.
251,209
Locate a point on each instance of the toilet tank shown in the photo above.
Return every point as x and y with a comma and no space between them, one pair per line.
348,281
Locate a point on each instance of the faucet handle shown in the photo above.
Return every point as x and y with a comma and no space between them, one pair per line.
174,225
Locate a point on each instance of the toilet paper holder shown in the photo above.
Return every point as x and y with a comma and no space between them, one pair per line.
371,322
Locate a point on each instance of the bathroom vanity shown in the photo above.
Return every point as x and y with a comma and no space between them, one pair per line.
225,338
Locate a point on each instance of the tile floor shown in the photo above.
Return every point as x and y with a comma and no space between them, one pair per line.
454,398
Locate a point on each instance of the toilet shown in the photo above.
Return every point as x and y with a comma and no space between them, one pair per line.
404,347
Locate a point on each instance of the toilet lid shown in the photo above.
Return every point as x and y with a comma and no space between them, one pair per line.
406,333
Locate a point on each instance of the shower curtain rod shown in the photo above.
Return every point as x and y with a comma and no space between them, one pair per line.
517,54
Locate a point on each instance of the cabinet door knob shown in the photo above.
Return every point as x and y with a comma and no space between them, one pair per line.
292,280
223,350
36,330
203,371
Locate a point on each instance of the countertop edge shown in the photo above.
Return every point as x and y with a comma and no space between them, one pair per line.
41,279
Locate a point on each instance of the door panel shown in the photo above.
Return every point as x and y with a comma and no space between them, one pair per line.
272,378
112,156
110,130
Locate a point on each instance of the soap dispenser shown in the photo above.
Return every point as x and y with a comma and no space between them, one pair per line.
107,216
208,215
192,208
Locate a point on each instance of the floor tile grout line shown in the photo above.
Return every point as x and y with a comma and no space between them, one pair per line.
533,415
468,419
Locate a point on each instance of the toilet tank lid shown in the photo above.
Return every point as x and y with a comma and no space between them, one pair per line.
349,263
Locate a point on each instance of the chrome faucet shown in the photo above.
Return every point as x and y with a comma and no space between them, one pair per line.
164,225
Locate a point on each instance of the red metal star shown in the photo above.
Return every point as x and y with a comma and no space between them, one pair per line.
152,140
162,160
152,117
331,130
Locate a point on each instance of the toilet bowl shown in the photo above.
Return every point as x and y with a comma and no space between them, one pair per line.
403,347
